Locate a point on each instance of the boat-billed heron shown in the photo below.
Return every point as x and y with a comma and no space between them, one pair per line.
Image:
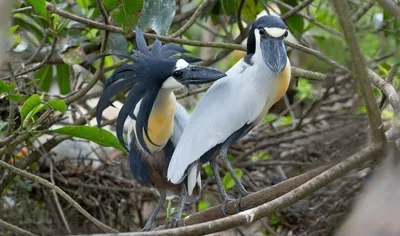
233,105
157,119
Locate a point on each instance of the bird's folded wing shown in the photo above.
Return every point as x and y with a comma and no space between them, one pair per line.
225,108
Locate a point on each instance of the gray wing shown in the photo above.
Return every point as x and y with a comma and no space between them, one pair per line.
228,105
180,119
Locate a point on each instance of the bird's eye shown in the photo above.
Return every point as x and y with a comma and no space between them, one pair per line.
177,74
286,34
262,31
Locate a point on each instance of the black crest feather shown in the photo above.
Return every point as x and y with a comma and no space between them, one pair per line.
144,79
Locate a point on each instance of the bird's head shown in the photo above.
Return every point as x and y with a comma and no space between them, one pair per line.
164,67
266,39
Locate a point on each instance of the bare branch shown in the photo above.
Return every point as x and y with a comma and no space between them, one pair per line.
359,69
296,9
248,216
64,195
192,19
390,6
15,229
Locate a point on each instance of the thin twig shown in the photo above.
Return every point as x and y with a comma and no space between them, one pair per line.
360,13
359,69
239,17
391,7
296,9
42,63
57,202
267,208
310,19
51,186
15,229
192,19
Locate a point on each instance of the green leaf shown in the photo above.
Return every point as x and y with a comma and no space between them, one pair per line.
274,220
91,133
203,204
229,7
2,125
250,10
6,88
228,181
29,117
15,97
73,55
12,29
296,25
260,156
83,3
269,117
207,168
117,43
304,89
127,15
44,76
63,79
58,104
39,6
31,103
110,4
24,184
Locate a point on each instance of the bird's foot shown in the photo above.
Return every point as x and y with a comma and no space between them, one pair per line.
223,205
172,223
146,228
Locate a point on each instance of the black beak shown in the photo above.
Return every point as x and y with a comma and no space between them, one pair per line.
200,75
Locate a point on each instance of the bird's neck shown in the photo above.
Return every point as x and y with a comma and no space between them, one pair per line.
161,120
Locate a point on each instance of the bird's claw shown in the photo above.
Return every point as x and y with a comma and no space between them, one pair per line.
172,223
146,228
223,205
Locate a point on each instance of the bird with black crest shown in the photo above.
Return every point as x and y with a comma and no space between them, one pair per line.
156,118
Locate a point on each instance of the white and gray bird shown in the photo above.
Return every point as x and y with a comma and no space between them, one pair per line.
234,105
157,118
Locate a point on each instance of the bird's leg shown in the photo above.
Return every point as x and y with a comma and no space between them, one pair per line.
175,219
224,197
242,190
163,196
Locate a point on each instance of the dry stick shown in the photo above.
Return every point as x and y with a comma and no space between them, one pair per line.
296,9
360,13
359,69
57,202
239,17
192,19
54,9
390,92
310,19
54,187
42,63
15,229
391,7
248,216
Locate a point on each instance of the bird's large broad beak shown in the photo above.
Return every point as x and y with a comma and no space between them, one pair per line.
274,53
200,75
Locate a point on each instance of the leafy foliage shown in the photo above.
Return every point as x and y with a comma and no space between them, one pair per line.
94,134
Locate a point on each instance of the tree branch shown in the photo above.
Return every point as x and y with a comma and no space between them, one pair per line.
248,216
192,19
64,195
391,7
296,9
15,229
359,69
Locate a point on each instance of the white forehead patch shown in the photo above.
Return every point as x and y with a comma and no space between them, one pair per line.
275,32
180,64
